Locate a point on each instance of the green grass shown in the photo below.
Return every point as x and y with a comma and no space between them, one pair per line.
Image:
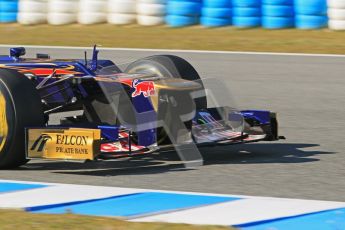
11,219
196,37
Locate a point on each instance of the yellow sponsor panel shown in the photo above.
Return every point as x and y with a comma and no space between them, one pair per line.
64,144
3,122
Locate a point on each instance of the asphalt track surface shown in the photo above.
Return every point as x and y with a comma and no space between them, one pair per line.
306,91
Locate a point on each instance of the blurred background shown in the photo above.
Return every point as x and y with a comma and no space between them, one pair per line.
313,26
270,14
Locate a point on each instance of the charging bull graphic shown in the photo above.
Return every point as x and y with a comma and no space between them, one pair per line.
43,69
147,88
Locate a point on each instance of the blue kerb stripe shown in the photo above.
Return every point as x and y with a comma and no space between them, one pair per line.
11,187
136,204
53,206
323,220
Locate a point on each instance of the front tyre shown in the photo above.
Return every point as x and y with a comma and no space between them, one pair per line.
20,107
169,66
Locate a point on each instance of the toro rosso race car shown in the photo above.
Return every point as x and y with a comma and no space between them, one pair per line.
89,109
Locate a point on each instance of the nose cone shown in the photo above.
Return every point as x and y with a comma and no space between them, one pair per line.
177,84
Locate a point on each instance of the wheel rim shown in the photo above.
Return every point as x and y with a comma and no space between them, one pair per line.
3,122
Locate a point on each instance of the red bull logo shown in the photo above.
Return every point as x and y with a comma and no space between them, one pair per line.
146,88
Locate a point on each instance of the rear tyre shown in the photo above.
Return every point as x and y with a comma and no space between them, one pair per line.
171,67
20,107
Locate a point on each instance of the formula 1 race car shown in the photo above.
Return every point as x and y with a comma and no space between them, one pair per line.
89,109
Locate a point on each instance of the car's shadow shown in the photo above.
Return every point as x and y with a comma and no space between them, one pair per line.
263,153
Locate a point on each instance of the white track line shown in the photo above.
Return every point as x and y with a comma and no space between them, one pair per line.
96,187
180,51
57,194
243,211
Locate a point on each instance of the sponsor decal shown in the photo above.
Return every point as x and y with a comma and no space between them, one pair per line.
67,144
49,71
40,143
43,70
145,88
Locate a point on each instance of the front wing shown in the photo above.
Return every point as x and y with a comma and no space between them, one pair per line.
109,142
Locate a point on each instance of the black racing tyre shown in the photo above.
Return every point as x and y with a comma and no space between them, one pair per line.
172,67
20,107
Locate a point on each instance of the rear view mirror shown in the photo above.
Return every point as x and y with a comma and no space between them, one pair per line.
17,52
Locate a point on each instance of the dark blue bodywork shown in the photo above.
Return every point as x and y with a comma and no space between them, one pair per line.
82,71
43,67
